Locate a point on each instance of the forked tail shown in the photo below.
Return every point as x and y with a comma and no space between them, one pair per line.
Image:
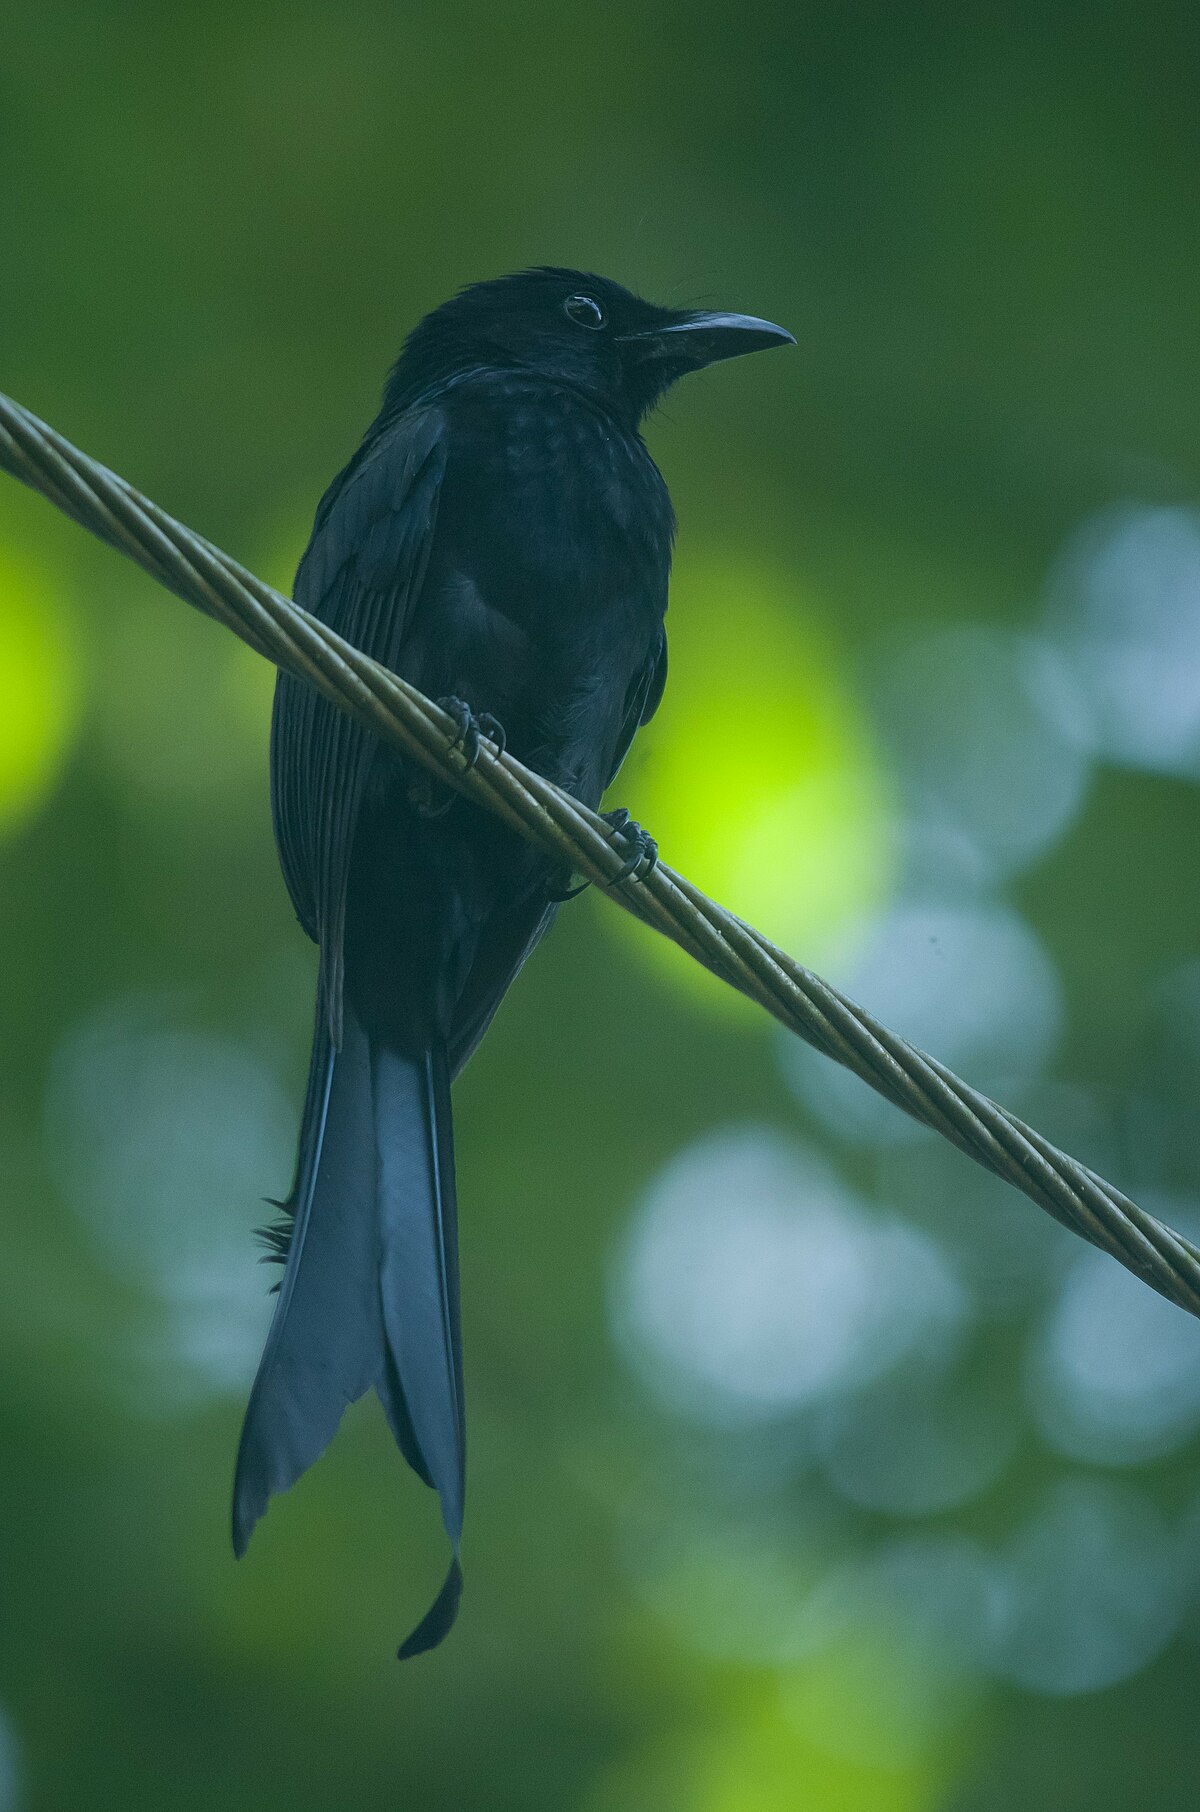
369,1295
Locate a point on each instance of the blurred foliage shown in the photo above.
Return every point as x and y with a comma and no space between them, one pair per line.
859,1488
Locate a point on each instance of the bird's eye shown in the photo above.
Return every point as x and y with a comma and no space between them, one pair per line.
585,312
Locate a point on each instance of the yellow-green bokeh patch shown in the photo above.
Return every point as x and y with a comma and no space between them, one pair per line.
40,685
754,1759
759,776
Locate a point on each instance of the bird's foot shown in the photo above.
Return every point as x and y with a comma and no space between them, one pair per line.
472,729
642,850
641,856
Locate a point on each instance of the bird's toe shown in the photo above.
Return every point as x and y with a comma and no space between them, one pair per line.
640,847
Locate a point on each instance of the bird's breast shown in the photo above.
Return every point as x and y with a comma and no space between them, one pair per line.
547,578
554,510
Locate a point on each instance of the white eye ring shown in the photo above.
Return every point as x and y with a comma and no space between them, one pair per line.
585,311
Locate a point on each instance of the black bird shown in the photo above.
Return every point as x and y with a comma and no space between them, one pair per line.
502,539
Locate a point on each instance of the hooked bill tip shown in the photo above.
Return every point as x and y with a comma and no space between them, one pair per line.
753,327
704,337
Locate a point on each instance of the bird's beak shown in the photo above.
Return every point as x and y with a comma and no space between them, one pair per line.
702,338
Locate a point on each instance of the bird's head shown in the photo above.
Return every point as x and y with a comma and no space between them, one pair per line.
573,328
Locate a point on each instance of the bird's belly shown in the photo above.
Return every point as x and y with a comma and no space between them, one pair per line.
444,889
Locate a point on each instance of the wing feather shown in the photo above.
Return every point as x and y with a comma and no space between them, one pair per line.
361,574
642,700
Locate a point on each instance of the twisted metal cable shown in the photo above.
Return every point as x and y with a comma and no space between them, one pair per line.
580,840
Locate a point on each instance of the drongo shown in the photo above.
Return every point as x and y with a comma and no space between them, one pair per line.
502,539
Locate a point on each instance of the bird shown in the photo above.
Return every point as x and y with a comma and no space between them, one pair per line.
502,540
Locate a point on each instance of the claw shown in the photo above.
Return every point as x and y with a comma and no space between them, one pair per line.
642,856
472,729
557,895
493,729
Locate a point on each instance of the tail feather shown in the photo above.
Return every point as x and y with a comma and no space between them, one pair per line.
369,1295
325,1344
438,1620
419,1280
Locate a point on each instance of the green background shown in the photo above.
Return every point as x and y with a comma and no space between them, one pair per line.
809,1469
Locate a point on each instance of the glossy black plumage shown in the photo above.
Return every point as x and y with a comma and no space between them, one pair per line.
501,537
